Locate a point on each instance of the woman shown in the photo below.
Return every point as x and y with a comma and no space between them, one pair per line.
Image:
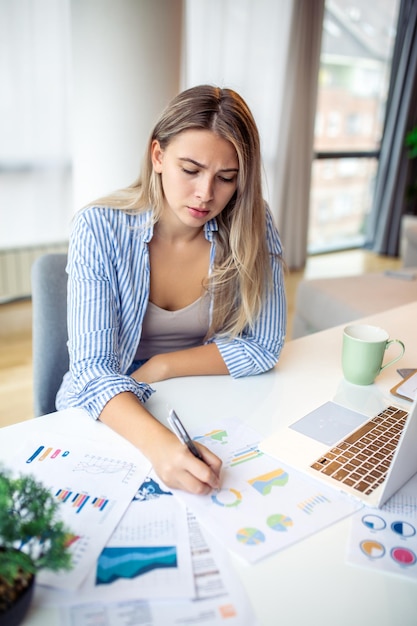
180,274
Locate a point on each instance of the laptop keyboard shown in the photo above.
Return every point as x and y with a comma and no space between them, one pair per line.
362,459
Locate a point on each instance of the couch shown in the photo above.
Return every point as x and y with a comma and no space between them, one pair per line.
326,302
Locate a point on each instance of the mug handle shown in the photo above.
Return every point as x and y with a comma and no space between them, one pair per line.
397,358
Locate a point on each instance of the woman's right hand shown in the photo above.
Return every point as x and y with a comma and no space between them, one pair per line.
171,460
178,468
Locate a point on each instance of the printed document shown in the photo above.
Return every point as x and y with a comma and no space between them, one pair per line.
263,506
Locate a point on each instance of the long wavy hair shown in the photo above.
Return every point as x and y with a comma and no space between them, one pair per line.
241,274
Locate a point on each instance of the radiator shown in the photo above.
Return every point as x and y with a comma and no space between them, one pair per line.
15,269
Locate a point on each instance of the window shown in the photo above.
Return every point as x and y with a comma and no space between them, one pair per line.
357,44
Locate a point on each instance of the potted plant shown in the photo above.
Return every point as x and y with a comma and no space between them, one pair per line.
411,192
408,229
32,537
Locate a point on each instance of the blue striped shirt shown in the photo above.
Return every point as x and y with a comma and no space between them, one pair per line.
108,293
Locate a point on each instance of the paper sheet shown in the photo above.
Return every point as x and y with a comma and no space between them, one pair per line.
220,597
408,388
263,506
386,539
148,555
94,487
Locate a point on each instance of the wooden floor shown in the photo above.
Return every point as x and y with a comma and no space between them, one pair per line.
16,341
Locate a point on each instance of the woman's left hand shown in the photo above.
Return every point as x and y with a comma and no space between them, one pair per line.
203,360
152,371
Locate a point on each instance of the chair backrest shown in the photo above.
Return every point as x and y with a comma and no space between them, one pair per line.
49,330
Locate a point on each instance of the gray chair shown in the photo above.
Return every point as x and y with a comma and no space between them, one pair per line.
49,330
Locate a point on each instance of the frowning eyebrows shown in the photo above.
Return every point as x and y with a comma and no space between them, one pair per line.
204,167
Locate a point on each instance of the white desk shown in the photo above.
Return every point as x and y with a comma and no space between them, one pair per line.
308,583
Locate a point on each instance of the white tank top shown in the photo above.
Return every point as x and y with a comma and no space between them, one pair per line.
168,331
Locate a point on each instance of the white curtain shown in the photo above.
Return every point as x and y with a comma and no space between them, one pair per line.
35,147
268,51
294,154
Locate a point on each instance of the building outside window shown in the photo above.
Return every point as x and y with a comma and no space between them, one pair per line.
357,44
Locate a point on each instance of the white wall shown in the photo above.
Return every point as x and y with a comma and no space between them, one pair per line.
126,67
82,82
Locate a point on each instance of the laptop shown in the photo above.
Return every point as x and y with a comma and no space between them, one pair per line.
370,461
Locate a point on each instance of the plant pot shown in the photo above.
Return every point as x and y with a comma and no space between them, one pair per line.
14,615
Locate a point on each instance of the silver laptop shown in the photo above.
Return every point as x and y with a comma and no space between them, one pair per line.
372,459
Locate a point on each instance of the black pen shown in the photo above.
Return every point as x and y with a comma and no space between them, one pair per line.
178,428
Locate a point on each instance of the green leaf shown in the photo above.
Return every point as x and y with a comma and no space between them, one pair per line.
411,143
30,522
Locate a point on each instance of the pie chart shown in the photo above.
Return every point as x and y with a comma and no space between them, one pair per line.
227,497
372,549
374,522
280,523
404,529
403,556
250,536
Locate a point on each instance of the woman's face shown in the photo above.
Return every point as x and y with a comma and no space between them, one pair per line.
199,175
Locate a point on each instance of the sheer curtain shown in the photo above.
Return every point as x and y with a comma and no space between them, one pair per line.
401,115
294,155
269,52
35,150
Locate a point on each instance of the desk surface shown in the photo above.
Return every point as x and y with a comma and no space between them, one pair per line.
310,582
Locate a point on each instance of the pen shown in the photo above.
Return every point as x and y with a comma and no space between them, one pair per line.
178,427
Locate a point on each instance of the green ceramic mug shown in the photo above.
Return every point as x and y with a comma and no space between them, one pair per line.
363,352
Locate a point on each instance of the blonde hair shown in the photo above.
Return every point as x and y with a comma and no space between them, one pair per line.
241,274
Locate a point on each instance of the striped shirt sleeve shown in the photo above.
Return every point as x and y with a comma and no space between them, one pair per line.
100,283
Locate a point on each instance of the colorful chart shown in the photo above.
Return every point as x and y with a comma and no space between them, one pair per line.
45,453
227,497
250,536
403,556
150,490
404,529
308,506
128,563
374,522
79,546
79,500
244,455
217,436
390,544
372,549
263,484
280,523
71,539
